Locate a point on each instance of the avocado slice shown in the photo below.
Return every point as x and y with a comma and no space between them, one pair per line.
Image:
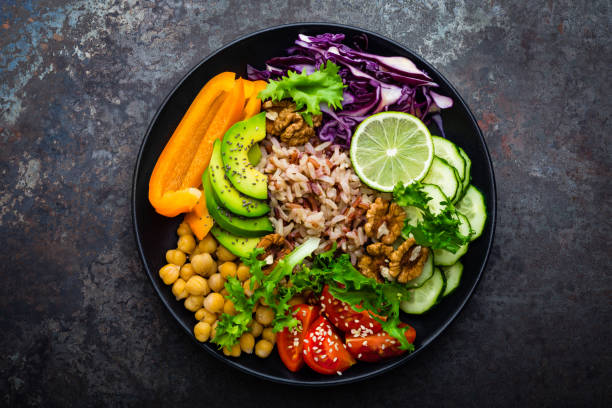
235,147
241,226
228,196
254,154
239,246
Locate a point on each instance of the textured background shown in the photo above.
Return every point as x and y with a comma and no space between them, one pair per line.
79,83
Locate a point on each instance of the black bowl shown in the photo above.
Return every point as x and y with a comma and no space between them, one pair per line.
155,234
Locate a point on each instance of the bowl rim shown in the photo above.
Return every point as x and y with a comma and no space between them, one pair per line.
331,380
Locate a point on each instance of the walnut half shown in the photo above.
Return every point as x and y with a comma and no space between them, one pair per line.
407,261
384,221
284,121
275,248
375,265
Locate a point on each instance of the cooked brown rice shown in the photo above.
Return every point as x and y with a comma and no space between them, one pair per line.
314,192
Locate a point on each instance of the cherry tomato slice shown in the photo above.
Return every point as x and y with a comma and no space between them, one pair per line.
377,346
324,351
341,315
290,342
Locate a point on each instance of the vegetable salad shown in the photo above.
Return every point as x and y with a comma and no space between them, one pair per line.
275,173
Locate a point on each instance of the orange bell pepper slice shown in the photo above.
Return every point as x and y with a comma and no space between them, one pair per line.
248,88
228,114
179,169
253,104
199,219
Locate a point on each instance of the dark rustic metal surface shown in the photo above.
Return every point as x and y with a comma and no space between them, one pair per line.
80,323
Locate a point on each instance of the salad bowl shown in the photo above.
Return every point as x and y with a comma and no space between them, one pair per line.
155,233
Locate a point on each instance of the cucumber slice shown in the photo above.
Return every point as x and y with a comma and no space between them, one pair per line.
459,193
444,257
468,168
438,198
425,297
472,205
428,270
443,175
447,150
453,277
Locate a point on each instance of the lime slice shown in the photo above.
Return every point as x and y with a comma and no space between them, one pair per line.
389,147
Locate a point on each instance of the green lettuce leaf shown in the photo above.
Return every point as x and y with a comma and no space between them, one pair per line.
308,91
436,231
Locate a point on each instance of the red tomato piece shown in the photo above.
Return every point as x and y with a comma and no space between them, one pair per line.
341,315
290,343
377,346
324,351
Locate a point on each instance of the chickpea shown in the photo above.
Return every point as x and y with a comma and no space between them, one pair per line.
208,244
225,292
228,307
243,272
264,315
197,285
216,282
202,331
269,335
256,328
235,352
187,271
200,313
263,348
213,303
296,300
183,229
178,289
193,302
169,273
206,316
223,254
246,285
247,342
186,243
203,264
176,257
227,269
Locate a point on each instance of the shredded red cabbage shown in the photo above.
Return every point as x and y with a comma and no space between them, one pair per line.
375,83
